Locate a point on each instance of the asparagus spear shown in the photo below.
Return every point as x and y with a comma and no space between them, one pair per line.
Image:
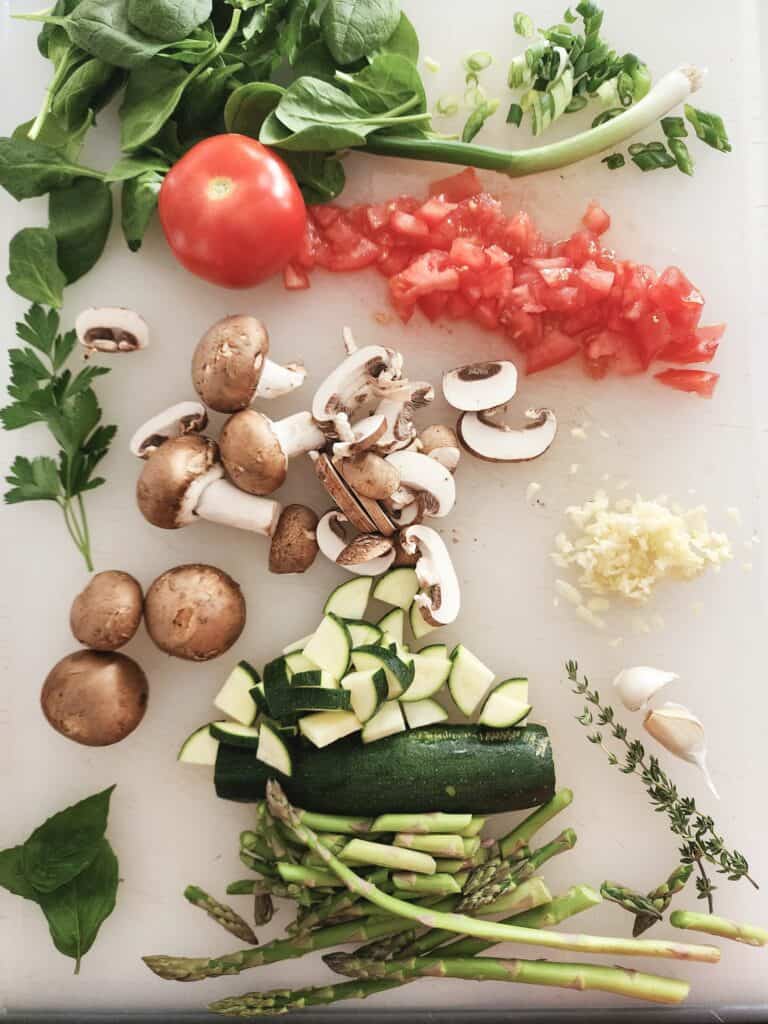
338,823
254,1003
749,934
263,907
451,865
312,878
477,826
436,844
436,885
228,918
583,977
334,905
489,930
252,843
392,946
361,851
527,829
630,900
661,897
421,824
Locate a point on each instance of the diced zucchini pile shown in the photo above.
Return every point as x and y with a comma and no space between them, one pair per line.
352,675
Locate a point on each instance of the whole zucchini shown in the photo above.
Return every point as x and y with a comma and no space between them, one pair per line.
462,768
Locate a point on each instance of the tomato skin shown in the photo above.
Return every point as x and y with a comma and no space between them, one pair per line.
232,212
696,382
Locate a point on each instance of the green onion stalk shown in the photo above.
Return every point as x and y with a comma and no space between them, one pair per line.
672,90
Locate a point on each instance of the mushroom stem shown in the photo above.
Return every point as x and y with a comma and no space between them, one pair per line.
298,434
221,502
277,380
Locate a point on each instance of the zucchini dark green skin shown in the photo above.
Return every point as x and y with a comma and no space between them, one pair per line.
461,768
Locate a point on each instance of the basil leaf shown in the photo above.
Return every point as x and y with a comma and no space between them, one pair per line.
249,105
89,87
403,41
320,177
34,271
102,28
353,28
30,168
66,843
80,217
152,95
134,165
169,20
75,911
12,875
140,195
387,82
67,144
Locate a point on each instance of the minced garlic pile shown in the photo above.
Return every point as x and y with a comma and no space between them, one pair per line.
628,546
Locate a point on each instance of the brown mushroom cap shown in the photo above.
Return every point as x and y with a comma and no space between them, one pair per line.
438,435
106,614
194,612
228,360
370,476
162,489
294,544
342,495
95,697
252,454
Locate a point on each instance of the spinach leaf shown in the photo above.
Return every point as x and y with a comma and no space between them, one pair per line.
151,97
387,82
169,20
34,270
30,168
66,143
80,217
75,911
89,87
321,178
353,28
12,875
316,61
134,165
297,31
140,195
403,41
264,18
318,137
102,28
249,105
52,34
200,112
308,102
62,846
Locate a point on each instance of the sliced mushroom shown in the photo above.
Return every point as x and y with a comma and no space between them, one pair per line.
440,597
332,541
378,515
294,544
182,481
255,450
176,421
370,476
483,436
230,366
480,386
403,557
365,433
397,406
195,612
352,384
106,614
111,329
422,474
341,493
440,442
365,548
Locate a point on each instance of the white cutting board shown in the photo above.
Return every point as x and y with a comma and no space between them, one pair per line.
166,824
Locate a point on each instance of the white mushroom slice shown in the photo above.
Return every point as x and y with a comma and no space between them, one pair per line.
332,542
484,437
350,385
440,442
440,597
401,498
182,418
397,405
276,380
420,473
480,386
407,516
223,503
112,329
365,434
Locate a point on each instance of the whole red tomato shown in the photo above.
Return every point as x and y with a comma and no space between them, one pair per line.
231,211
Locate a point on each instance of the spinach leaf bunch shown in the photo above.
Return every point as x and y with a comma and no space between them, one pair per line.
68,868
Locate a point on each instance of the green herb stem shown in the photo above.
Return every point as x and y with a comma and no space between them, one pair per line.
59,75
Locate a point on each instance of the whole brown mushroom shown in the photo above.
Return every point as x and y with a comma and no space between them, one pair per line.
95,697
195,612
106,614
294,544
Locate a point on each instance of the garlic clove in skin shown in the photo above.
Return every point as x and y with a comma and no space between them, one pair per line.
637,685
680,732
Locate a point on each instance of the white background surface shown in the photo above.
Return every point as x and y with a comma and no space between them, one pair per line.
166,824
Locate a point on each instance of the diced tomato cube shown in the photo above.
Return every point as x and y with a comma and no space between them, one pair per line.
429,272
377,216
520,234
457,186
325,214
696,382
582,246
497,257
596,219
311,244
433,305
409,226
499,284
554,347
295,278
561,300
548,262
699,347
435,210
611,351
675,294
467,254
557,277
394,261
457,307
360,254
486,314
600,281
652,332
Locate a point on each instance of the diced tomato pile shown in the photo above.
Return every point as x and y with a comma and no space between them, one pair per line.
458,256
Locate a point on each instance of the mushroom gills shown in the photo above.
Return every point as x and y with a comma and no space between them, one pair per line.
176,421
351,385
111,329
479,386
332,542
492,441
439,599
424,475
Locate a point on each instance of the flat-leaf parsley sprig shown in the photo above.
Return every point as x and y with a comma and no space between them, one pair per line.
701,843
43,391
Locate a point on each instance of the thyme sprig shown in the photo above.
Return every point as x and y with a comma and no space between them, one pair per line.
701,843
